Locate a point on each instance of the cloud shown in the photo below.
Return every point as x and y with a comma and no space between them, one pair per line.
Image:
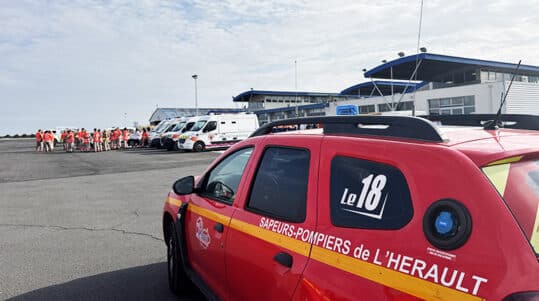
86,63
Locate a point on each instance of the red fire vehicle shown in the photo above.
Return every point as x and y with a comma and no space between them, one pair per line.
364,208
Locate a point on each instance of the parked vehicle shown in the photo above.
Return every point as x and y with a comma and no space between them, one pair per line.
218,131
134,138
364,208
155,135
170,140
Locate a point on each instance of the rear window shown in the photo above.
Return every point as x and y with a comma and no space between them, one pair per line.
518,184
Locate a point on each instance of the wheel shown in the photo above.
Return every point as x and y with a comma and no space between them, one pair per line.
177,279
199,146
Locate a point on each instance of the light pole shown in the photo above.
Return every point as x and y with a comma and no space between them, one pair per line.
195,77
296,86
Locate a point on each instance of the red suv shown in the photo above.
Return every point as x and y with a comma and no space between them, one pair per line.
363,208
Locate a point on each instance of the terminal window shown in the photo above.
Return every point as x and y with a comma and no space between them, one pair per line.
402,106
452,105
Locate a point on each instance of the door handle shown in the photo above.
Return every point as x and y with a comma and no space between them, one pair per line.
219,227
284,259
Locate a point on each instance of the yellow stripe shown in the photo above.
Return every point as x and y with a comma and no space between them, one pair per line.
263,234
506,160
174,201
289,243
390,278
498,175
223,219
535,233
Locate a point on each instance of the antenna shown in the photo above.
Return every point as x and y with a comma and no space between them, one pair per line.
497,123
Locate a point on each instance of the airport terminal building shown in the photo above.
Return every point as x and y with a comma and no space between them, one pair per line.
425,83
276,105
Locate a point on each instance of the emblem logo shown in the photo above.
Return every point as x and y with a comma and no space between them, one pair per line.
202,234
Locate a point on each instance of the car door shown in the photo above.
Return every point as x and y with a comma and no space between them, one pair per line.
208,218
362,203
271,231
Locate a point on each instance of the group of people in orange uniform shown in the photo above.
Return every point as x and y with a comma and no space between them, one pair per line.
44,141
82,140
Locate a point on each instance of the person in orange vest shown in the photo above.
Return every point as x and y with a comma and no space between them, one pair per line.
85,141
113,139
144,138
78,138
97,140
70,139
125,136
47,141
118,136
63,138
39,141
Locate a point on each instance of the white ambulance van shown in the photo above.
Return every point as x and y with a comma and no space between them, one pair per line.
218,131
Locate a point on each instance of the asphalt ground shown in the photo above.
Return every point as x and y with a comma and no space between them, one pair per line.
86,226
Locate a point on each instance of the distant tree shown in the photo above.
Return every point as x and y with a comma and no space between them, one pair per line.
16,136
24,136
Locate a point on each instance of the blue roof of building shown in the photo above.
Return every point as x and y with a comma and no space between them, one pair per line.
246,96
433,66
293,108
368,89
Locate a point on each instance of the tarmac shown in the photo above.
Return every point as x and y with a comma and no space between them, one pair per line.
87,226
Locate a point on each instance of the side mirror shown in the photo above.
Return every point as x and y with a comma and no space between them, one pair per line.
184,185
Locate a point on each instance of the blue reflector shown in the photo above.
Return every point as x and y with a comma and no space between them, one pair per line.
444,222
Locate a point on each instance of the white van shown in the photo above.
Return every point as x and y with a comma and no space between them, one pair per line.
169,140
218,131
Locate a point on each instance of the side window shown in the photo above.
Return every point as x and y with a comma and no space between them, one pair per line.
222,181
280,186
370,195
212,125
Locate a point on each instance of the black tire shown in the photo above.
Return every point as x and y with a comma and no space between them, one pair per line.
177,279
199,146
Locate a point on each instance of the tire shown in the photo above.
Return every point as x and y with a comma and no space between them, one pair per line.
177,279
199,146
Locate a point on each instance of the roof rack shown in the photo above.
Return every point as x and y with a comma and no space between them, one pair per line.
510,121
386,126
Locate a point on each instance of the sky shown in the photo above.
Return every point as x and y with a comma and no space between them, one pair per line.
83,63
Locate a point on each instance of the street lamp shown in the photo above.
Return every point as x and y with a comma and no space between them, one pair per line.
195,77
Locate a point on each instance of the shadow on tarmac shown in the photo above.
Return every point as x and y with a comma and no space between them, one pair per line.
147,282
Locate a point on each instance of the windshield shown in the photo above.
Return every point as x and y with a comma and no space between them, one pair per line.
188,127
160,126
198,125
518,184
178,127
169,127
